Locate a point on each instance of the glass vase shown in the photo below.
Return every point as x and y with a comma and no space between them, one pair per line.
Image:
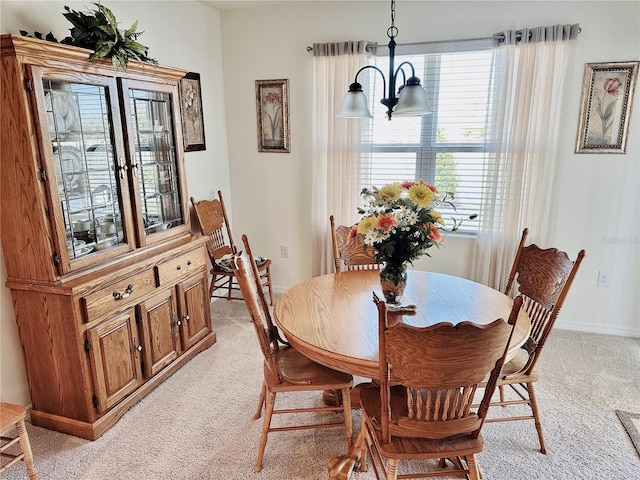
393,280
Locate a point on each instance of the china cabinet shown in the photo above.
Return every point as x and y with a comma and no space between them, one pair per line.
109,287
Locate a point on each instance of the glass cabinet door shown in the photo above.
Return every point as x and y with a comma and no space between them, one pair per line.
154,162
79,119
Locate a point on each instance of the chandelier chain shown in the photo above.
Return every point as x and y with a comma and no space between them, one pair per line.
392,31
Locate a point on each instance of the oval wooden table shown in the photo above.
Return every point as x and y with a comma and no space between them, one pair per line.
332,320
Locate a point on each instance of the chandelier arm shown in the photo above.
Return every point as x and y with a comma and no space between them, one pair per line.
400,69
384,81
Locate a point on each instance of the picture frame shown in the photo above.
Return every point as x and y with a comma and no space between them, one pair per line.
607,97
272,114
191,110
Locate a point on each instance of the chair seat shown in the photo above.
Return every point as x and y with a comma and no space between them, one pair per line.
511,371
10,414
300,373
225,264
412,447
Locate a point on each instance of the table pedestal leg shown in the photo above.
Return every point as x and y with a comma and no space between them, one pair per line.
340,468
331,398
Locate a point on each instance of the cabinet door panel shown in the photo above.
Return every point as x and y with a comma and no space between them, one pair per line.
159,328
154,143
194,309
114,359
82,149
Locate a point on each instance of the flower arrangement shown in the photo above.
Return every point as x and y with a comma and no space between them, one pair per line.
400,220
401,223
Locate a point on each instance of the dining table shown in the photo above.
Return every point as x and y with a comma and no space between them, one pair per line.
333,320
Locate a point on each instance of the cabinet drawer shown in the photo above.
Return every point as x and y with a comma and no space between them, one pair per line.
173,270
118,294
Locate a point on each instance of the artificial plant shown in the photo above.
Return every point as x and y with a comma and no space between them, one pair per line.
98,30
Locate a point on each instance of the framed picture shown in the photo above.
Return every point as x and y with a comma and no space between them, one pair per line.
191,109
607,97
272,109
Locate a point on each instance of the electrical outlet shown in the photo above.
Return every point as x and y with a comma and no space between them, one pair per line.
284,251
603,279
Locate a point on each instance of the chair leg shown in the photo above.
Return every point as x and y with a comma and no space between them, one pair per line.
364,447
474,471
392,469
213,285
533,401
501,390
266,423
346,408
263,393
230,286
25,446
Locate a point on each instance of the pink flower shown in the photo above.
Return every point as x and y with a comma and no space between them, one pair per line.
407,185
386,223
612,86
272,97
353,232
434,234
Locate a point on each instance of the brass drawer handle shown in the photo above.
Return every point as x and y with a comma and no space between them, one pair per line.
120,296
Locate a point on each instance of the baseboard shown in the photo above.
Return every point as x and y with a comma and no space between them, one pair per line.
601,329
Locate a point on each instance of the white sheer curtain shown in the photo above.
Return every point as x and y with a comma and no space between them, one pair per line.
336,169
532,72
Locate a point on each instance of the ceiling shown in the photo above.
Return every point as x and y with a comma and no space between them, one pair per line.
237,4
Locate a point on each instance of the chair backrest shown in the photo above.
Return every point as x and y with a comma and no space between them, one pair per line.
246,273
213,223
543,277
440,367
350,251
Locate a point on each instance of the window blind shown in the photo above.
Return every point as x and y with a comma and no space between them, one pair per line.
447,148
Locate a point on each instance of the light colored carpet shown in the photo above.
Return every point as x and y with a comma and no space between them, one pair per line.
199,423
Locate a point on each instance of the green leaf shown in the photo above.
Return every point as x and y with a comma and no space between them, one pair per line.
108,14
102,49
119,61
132,30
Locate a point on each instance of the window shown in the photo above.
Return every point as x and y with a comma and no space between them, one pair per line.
446,148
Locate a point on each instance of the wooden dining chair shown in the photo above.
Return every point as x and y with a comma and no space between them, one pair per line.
422,408
285,369
351,253
211,216
543,278
13,416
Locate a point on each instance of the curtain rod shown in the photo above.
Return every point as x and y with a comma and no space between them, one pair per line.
371,45
500,38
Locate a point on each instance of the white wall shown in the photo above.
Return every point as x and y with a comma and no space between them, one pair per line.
183,34
598,208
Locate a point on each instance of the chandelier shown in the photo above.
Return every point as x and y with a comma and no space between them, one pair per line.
411,99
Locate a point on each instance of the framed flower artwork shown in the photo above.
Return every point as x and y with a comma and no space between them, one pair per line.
607,97
272,112
191,110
